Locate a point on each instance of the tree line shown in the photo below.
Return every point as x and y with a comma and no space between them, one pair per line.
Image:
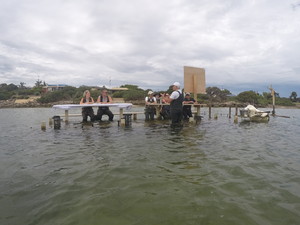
69,93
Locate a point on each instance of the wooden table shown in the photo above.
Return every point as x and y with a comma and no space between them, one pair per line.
66,107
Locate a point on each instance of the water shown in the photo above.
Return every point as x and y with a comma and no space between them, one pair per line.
217,172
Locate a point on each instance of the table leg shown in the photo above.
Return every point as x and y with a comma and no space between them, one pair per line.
198,110
157,110
121,113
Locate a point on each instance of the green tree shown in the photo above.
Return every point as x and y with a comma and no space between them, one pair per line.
293,96
38,83
22,85
248,97
11,87
215,94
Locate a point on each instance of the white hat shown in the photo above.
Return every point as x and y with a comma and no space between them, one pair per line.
150,92
187,93
177,84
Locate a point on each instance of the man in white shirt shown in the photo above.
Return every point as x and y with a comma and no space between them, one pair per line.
175,101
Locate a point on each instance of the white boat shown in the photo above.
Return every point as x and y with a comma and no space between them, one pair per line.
252,114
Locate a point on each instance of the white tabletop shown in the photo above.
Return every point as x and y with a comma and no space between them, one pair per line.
69,106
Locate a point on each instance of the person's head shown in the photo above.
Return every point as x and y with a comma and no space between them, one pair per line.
157,95
104,92
176,86
150,94
86,94
188,95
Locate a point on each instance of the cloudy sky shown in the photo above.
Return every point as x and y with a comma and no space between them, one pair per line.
243,45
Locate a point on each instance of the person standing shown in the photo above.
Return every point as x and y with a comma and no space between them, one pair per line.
165,109
104,98
150,109
87,111
175,101
187,109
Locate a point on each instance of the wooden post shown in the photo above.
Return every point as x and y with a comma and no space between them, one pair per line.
236,119
157,111
50,121
236,110
273,98
198,109
229,115
43,126
66,115
135,116
209,111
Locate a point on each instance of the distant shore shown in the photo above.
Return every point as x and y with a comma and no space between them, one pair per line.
32,103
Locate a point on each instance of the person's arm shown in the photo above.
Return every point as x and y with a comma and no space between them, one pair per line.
81,101
98,99
173,96
92,102
110,100
146,101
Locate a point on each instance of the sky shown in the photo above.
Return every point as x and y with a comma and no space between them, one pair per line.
243,45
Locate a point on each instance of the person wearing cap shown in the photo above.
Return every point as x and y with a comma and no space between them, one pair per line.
187,109
150,110
175,101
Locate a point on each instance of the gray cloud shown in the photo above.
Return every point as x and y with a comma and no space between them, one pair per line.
148,42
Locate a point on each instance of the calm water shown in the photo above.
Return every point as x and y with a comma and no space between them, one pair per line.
216,172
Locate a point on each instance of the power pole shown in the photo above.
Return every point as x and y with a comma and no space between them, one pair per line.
273,97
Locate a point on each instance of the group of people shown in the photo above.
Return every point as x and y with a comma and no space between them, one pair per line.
177,106
103,98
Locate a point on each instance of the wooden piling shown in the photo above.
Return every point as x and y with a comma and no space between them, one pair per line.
229,114
236,119
43,126
50,121
135,116
273,99
122,122
216,116
236,110
209,111
66,116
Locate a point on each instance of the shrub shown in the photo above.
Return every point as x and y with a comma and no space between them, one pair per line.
134,95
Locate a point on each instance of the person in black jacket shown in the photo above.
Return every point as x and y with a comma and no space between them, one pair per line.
104,98
187,109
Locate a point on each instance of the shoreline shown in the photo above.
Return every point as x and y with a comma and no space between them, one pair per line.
34,104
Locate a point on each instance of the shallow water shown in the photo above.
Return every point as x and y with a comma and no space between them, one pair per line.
216,172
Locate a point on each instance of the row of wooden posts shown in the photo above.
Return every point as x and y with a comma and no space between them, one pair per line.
122,121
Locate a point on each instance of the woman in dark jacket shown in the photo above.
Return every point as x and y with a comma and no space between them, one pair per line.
87,111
